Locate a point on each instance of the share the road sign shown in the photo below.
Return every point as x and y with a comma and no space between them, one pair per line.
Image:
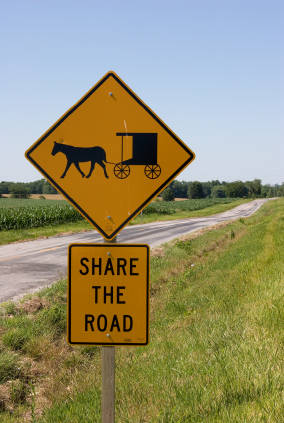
108,294
109,155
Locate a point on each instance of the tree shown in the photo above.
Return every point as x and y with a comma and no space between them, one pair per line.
215,182
168,194
48,189
218,191
236,189
206,189
179,189
4,187
36,186
195,190
281,190
254,187
19,191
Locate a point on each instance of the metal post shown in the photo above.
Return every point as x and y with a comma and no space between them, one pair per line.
108,379
108,384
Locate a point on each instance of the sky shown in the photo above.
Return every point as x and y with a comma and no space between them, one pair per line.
211,70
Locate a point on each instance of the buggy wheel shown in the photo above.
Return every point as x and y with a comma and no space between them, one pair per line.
152,171
121,170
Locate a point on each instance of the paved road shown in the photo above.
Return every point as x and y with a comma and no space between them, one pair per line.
27,266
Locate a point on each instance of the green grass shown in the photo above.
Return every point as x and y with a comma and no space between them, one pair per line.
14,235
171,207
156,211
191,210
9,366
216,338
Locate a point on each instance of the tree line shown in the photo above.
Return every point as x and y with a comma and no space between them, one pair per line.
217,189
177,189
24,189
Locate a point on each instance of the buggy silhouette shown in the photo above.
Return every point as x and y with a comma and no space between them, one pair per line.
144,154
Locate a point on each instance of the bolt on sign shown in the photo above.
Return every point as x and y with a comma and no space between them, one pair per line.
109,155
108,294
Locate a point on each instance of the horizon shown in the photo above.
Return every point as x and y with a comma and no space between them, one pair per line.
176,179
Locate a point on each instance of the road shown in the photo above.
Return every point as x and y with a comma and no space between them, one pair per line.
28,266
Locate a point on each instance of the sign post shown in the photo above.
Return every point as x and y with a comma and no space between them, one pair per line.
109,155
108,304
108,384
108,380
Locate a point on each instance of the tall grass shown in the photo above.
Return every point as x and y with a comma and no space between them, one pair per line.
171,207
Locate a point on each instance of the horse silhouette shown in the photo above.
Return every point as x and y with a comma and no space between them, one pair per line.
78,155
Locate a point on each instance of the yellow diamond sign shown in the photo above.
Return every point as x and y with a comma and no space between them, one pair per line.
109,155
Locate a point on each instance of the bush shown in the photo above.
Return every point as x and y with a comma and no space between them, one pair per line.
19,391
54,318
168,194
184,245
9,366
161,207
16,338
20,330
10,308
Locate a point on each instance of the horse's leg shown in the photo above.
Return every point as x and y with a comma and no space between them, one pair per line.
78,167
91,169
101,163
67,167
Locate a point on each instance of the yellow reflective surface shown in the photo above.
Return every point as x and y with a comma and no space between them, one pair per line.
110,107
108,294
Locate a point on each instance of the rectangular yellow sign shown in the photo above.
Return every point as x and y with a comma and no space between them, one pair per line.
108,294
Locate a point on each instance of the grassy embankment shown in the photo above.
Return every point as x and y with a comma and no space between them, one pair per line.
53,217
216,339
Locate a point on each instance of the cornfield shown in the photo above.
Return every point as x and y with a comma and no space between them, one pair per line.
37,213
23,214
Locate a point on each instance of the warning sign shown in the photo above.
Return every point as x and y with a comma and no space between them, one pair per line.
109,155
108,294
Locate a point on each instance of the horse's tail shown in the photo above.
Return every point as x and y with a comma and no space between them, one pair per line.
104,157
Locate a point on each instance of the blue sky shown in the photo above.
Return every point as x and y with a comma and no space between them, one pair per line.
212,70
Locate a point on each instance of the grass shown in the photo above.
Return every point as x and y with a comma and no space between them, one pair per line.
178,210
216,339
171,207
183,212
9,366
15,235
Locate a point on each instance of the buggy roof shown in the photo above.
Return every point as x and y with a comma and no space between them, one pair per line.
135,133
